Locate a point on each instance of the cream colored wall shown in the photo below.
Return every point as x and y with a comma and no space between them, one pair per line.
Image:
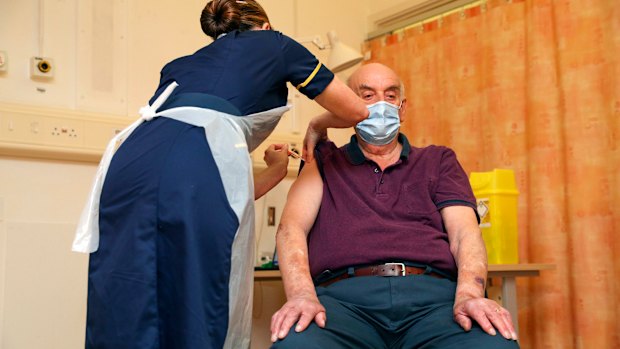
42,283
19,39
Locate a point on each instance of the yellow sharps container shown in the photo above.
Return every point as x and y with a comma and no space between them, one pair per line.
497,196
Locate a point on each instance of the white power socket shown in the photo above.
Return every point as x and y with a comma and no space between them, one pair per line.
3,61
42,67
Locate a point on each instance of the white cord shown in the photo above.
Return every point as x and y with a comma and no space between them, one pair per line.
259,231
41,26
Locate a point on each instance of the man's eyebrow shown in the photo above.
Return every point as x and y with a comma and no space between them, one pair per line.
367,87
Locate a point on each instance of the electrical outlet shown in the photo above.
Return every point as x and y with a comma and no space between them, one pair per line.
3,61
63,131
42,68
55,134
43,130
271,216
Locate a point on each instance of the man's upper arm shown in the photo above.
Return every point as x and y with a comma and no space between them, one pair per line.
304,199
459,220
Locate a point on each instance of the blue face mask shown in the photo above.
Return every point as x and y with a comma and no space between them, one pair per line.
381,126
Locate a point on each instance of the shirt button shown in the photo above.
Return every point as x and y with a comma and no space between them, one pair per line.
376,170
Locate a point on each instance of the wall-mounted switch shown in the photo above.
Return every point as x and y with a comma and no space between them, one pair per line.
3,61
271,216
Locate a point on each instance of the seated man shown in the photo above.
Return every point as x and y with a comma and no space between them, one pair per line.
388,234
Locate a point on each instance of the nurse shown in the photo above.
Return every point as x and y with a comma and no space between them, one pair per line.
172,241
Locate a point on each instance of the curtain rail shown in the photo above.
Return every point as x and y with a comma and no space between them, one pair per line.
416,14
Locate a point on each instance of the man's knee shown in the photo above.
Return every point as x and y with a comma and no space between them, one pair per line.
482,340
296,340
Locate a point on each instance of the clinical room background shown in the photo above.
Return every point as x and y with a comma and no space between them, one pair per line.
528,85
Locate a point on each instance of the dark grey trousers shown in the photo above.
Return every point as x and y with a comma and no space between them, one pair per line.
377,312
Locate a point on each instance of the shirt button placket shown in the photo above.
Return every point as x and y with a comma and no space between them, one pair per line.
379,180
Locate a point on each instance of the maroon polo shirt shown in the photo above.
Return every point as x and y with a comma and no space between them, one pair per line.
372,216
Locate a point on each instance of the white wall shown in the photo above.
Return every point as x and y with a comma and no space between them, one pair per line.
42,284
107,57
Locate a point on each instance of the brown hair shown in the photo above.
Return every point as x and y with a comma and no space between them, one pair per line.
222,16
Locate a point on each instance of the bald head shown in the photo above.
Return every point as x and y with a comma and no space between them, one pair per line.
375,82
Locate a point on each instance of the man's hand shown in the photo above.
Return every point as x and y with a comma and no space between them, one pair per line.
302,310
487,313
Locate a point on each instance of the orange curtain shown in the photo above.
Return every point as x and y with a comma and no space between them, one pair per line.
534,86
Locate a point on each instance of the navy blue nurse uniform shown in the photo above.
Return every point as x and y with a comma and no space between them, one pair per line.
161,277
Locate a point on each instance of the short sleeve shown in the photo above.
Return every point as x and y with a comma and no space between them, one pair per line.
303,69
453,188
321,152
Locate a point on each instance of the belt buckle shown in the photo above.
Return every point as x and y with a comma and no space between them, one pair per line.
402,268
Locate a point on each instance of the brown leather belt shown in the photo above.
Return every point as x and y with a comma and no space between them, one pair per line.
387,269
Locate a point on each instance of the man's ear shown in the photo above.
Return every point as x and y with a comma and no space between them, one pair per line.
266,26
403,110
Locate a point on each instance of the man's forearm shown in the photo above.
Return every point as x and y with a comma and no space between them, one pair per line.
471,259
294,265
468,249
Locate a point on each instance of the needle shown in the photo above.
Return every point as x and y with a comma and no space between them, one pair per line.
293,154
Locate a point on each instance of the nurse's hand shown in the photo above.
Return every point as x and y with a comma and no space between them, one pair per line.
301,310
276,158
277,155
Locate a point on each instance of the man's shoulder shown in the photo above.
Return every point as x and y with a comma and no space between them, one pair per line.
432,149
327,146
326,149
432,156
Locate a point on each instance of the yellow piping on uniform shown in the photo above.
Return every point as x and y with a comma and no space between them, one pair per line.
316,70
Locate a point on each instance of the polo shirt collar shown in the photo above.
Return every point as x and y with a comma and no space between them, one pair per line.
356,157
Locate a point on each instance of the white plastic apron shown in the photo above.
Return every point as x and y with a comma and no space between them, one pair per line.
231,139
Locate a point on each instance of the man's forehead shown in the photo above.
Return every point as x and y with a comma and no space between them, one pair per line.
374,76
377,78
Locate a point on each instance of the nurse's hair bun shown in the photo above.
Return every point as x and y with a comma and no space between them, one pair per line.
222,16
